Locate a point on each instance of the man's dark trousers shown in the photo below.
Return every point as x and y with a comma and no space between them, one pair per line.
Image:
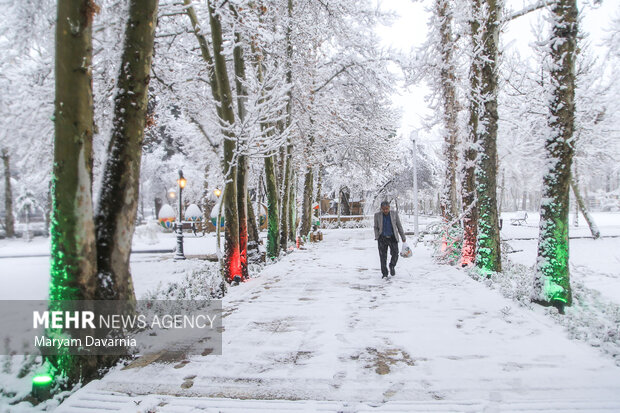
384,243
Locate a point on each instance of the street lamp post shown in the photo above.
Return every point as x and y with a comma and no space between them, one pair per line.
179,226
218,193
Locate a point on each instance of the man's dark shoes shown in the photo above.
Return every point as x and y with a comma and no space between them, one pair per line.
384,276
392,271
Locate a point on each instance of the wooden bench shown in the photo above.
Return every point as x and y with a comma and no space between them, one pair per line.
520,218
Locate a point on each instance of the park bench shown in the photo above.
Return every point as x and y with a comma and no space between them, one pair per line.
520,218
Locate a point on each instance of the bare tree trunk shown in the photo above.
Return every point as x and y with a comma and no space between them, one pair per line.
253,239
73,244
450,110
596,233
319,189
553,280
306,218
118,201
232,261
286,189
292,215
273,234
9,220
287,161
488,253
468,186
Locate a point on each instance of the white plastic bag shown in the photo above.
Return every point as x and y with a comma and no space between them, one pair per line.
406,252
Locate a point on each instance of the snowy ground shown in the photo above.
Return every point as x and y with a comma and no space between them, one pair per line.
320,330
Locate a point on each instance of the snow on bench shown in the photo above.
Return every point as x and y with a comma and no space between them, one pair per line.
520,218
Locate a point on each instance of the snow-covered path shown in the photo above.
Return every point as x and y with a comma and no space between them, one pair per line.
321,330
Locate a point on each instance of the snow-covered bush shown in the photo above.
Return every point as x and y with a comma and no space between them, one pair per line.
147,233
201,283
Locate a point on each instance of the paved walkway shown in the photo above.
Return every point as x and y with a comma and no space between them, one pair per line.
321,331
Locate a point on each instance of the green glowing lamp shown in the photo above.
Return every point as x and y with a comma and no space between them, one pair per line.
42,386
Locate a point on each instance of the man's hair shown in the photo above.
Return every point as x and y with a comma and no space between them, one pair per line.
385,203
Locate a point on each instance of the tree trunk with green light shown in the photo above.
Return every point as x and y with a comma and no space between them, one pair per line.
232,261
118,201
273,233
73,244
553,278
488,252
9,222
447,78
306,215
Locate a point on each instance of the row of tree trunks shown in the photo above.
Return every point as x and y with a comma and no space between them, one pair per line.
9,223
115,218
488,252
553,278
232,260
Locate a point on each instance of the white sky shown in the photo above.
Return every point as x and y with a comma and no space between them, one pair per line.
409,32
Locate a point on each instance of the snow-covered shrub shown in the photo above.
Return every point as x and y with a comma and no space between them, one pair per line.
201,283
446,242
148,233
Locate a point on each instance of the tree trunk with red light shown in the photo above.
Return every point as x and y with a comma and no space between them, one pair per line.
242,167
232,259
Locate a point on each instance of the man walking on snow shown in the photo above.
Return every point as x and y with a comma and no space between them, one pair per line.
387,227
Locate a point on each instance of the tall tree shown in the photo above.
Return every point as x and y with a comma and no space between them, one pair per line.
73,244
9,224
242,163
286,180
118,200
447,76
232,259
468,184
553,278
488,252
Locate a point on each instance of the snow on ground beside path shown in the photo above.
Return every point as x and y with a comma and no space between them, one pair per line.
322,325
